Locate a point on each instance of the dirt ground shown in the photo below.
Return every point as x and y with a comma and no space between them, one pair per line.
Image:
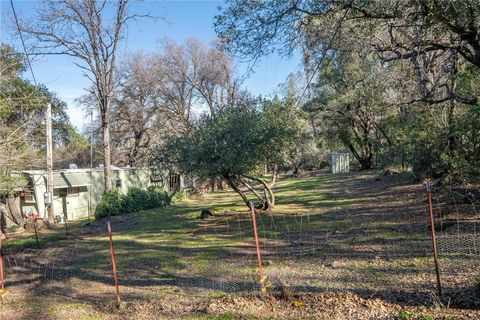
350,246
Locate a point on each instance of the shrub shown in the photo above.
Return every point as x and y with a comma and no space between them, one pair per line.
128,204
157,197
176,197
113,203
140,199
110,205
313,160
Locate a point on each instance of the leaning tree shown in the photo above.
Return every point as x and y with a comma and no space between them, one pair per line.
236,144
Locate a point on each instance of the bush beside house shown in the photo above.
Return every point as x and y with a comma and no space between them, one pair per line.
113,203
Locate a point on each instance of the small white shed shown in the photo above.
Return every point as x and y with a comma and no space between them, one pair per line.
340,162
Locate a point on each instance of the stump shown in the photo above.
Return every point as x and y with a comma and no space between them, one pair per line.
205,213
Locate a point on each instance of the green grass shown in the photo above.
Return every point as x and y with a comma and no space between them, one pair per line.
155,245
155,248
31,242
173,238
442,225
405,315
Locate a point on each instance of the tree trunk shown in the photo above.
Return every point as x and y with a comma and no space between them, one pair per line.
368,162
269,196
132,155
220,183
365,159
365,163
252,190
233,185
107,170
3,222
13,210
451,129
269,203
212,184
274,176
451,111
295,169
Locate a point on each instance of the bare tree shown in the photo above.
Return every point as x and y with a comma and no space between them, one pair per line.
215,79
176,73
194,74
136,110
81,29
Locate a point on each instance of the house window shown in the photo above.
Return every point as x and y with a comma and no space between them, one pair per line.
73,191
27,196
118,184
59,192
157,178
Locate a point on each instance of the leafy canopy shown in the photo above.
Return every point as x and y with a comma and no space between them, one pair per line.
237,141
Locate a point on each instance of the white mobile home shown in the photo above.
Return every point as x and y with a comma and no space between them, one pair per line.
77,191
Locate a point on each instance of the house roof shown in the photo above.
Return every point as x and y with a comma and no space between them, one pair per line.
81,170
65,180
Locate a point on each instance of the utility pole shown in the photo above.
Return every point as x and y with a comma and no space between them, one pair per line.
91,138
91,166
51,215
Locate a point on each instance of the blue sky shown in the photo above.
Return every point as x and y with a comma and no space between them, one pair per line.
182,19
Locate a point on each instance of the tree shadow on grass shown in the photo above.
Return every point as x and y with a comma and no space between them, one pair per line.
160,248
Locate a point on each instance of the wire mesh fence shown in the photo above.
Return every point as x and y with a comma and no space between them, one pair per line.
300,252
303,253
456,223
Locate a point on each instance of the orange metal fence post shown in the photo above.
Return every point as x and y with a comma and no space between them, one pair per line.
112,252
259,258
434,240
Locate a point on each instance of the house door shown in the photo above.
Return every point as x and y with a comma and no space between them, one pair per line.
62,194
174,182
64,207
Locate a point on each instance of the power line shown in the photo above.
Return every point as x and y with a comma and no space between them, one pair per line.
23,42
